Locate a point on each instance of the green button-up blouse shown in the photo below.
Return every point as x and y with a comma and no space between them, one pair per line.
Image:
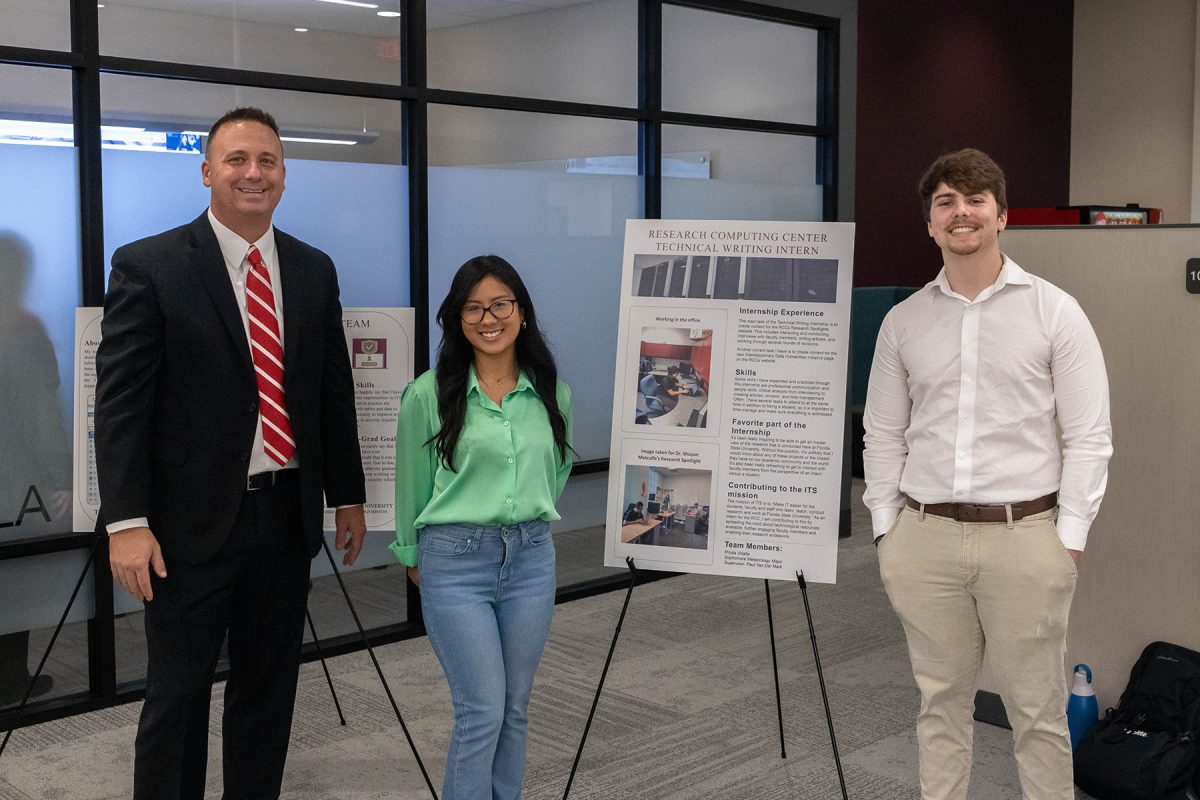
508,469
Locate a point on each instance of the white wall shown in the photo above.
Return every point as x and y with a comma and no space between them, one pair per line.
1133,106
688,488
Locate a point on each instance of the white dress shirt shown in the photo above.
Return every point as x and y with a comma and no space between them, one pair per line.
968,398
235,250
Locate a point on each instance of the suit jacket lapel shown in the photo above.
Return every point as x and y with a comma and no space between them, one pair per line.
291,278
209,265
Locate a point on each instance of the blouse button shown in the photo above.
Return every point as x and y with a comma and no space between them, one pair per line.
510,460
506,423
508,501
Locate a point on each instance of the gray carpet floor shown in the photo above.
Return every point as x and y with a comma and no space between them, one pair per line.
688,710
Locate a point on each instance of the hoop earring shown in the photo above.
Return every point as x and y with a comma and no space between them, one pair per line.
523,325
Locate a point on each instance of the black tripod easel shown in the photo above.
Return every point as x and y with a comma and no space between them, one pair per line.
316,642
378,670
54,638
633,577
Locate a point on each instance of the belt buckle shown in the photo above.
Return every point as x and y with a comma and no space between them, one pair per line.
260,480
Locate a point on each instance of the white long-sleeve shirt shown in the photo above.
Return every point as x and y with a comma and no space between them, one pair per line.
967,400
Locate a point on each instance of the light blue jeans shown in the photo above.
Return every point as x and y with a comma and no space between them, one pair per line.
487,595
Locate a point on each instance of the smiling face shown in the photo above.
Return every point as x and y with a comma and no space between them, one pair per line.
965,224
244,172
490,337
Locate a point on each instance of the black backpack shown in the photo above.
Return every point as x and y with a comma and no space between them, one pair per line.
1146,749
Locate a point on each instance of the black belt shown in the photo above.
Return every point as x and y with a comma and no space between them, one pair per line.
988,512
268,480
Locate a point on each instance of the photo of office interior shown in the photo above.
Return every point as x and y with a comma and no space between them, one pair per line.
666,507
674,374
421,133
796,280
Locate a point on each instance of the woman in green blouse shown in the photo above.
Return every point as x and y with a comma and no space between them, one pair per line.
483,450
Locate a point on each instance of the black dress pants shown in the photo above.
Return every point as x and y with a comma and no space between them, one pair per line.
254,591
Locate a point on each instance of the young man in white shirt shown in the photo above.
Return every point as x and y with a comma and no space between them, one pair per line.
979,514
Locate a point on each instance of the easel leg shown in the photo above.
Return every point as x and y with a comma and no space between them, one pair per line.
837,758
317,643
378,669
775,667
603,673
46,655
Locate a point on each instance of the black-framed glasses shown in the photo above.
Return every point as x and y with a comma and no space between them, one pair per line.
501,309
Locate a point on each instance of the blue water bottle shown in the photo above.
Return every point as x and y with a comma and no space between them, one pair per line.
1082,710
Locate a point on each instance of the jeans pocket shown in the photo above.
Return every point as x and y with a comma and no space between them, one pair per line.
539,535
445,540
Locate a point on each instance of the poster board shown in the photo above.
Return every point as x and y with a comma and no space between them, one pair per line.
729,397
380,343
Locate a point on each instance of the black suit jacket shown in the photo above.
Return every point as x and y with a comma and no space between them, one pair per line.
176,398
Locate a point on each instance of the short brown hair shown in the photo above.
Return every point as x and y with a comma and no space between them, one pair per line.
241,114
969,171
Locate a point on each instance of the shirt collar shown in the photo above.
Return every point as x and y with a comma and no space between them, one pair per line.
234,248
1010,273
523,383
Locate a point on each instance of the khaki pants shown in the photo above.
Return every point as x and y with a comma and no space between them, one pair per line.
970,591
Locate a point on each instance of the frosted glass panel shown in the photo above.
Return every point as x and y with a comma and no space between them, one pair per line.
39,289
350,199
565,235
767,176
354,212
738,67
689,199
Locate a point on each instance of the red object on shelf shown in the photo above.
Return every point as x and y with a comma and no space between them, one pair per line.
1131,214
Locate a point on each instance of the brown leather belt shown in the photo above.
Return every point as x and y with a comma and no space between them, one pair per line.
992,512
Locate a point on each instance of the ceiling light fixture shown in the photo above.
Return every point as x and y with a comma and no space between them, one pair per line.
300,30
366,138
350,3
388,13
309,140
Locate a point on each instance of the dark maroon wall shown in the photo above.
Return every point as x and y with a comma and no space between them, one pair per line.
936,76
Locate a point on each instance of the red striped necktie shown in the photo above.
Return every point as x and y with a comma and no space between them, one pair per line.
266,349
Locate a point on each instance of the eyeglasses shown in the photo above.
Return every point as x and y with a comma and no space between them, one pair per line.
501,309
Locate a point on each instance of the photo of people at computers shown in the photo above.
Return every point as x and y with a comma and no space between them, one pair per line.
788,280
674,370
666,507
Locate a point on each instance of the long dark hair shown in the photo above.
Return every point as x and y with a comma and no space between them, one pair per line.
455,356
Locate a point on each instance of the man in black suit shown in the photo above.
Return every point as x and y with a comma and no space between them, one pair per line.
224,410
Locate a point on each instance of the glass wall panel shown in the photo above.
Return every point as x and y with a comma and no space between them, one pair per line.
580,51
330,40
33,595
725,174
731,66
39,273
551,195
347,195
44,24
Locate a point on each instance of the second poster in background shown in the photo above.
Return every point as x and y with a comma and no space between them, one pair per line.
729,397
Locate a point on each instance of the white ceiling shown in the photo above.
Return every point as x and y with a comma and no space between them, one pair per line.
317,15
